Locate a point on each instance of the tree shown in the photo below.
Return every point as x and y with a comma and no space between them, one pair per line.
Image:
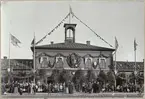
132,77
90,75
111,77
121,77
102,76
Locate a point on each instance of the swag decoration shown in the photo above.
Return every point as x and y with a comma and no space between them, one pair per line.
73,60
22,74
53,56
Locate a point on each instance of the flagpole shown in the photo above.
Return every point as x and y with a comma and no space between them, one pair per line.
34,57
115,68
115,59
69,18
135,66
9,68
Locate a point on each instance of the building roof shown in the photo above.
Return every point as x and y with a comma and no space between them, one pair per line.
129,66
73,46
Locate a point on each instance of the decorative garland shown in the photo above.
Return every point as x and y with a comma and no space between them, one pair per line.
52,30
69,60
45,54
59,54
93,31
26,75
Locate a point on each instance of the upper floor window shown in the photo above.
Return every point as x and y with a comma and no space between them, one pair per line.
102,63
44,62
59,62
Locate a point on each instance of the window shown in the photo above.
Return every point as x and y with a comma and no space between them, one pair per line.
89,63
44,62
59,62
102,63
70,33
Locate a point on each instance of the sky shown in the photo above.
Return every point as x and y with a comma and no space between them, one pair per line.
120,19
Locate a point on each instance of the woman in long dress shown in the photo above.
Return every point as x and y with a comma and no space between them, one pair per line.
16,87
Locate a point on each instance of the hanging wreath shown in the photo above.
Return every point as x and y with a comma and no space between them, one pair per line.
73,60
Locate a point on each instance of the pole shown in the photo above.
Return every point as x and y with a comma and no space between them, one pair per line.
34,56
135,68
9,68
115,69
69,19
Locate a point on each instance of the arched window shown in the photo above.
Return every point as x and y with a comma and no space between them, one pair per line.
102,63
89,63
69,33
44,62
59,62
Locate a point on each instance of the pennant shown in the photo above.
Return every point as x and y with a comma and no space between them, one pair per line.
70,11
32,43
135,44
15,41
116,43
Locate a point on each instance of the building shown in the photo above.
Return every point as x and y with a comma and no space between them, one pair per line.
71,56
20,70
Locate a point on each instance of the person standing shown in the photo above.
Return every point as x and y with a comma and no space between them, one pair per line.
20,89
29,88
94,86
49,88
89,87
70,87
16,87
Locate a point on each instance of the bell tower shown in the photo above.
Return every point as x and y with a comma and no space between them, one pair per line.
69,33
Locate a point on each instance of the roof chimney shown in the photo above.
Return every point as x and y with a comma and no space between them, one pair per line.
88,42
5,57
51,42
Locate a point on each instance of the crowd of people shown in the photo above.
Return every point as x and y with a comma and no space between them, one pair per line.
68,88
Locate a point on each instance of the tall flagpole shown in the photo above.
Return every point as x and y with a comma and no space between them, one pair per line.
9,68
115,68
69,18
135,63
115,59
34,56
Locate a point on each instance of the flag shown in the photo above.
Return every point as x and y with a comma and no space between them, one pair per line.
70,11
14,40
116,43
32,43
135,44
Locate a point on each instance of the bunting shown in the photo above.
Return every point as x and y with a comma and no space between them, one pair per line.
52,30
93,31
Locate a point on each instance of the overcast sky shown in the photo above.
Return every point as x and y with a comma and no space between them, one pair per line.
125,20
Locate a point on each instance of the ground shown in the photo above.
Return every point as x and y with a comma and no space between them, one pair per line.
61,95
